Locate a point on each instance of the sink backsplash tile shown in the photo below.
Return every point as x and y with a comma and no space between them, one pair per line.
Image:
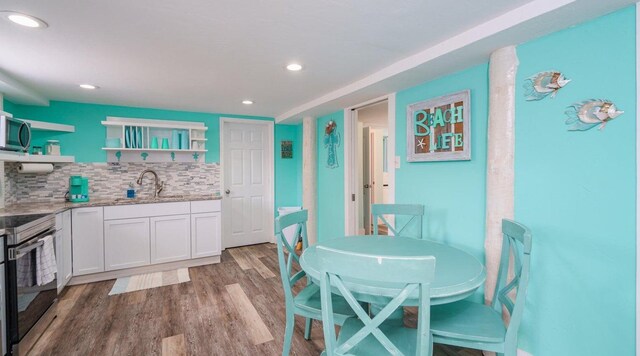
110,180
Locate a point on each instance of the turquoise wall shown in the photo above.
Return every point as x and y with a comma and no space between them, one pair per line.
330,183
8,106
576,191
86,143
288,187
453,193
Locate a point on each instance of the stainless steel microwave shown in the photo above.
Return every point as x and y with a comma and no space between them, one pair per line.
15,134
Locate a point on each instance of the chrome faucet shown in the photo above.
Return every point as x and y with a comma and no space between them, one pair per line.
159,186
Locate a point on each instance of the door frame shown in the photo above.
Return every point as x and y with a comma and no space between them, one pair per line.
637,180
350,168
269,166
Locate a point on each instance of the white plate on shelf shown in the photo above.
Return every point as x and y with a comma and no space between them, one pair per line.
127,137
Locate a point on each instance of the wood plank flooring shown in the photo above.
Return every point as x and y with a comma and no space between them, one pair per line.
235,307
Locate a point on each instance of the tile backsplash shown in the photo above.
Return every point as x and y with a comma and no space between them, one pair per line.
110,180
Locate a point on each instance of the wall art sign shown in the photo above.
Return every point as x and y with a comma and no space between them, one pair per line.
286,149
331,143
439,129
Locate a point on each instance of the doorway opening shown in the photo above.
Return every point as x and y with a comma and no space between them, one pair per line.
372,166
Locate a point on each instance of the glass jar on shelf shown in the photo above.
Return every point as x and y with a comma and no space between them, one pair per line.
37,150
53,147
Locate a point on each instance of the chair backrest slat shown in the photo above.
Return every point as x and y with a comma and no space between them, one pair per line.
516,248
411,212
298,218
339,268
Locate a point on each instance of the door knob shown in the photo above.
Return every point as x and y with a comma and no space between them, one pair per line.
227,191
366,186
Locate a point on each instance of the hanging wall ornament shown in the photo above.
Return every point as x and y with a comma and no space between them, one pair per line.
587,114
542,84
331,143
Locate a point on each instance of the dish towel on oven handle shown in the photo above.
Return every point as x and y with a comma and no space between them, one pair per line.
46,268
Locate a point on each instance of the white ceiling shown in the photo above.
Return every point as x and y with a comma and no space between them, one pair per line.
210,55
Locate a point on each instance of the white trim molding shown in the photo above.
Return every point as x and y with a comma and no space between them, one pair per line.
350,139
637,182
270,165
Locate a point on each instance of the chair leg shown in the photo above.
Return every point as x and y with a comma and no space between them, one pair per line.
430,345
307,329
288,334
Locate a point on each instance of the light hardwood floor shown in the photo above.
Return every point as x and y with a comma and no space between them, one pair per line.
235,307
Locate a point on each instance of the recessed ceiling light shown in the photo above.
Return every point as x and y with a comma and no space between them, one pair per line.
24,20
294,67
88,86
247,102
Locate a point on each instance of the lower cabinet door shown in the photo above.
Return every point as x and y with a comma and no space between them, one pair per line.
126,243
205,235
66,248
60,257
88,241
170,238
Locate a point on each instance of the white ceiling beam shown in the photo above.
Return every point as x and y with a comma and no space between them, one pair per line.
18,92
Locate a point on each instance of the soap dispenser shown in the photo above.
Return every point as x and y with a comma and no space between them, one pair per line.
131,192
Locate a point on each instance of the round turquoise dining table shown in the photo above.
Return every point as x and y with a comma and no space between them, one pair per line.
458,274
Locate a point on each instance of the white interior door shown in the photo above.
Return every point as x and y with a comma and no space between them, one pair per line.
247,183
367,179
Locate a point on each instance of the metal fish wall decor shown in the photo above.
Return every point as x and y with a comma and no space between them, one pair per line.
587,114
540,85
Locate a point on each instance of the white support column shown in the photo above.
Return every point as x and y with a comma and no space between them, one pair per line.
310,176
500,156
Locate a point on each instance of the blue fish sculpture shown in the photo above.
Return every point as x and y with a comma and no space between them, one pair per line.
588,114
543,84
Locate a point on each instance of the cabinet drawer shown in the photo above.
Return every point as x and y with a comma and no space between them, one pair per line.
205,206
145,210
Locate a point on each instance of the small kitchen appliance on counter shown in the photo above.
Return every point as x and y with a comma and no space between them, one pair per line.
78,189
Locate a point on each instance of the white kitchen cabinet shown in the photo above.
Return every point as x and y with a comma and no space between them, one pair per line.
126,243
59,259
88,240
67,263
170,238
205,234
63,249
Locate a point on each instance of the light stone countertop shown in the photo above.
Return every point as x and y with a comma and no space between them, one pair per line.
55,207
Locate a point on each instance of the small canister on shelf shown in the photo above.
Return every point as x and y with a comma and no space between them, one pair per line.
53,147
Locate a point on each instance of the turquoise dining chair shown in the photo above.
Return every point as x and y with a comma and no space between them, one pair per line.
480,326
307,302
377,335
410,215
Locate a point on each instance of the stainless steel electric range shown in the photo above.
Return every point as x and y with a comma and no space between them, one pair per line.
30,297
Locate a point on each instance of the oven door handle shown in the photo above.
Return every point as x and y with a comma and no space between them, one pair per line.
15,253
19,252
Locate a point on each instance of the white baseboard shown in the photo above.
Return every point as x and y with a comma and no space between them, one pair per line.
104,276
